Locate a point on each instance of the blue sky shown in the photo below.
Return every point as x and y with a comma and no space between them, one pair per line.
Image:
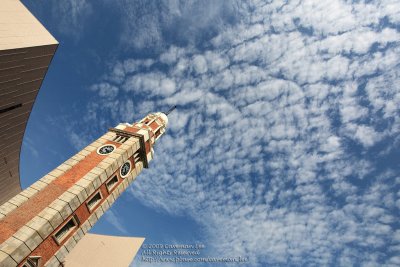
285,145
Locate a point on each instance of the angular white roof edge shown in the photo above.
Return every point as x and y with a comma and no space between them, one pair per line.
20,29
104,251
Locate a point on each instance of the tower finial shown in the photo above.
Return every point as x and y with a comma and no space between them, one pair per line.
170,110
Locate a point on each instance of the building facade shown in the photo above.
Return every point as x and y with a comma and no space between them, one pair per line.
26,49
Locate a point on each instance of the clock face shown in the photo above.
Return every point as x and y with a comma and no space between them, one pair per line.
126,167
107,149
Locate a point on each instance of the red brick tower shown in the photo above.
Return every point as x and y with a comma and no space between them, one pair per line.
42,224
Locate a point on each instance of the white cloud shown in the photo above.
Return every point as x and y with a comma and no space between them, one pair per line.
71,15
200,64
156,84
263,139
105,90
150,24
366,135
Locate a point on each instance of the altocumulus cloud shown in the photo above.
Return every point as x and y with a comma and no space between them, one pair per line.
286,132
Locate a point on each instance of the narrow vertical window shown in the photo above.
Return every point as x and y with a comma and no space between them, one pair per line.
111,183
66,229
94,201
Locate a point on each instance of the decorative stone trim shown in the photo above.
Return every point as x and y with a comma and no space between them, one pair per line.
70,244
18,200
123,153
92,220
56,172
53,262
99,172
42,226
84,153
21,198
52,216
62,207
79,192
30,237
85,227
99,212
47,178
105,205
63,168
61,254
71,162
77,157
15,248
117,158
111,199
124,185
78,235
95,179
87,185
96,144
93,146
29,192
7,207
71,199
109,162
6,260
39,185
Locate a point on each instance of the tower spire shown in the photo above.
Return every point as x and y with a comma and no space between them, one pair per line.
170,110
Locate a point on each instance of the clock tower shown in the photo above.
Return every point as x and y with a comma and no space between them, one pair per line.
42,224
